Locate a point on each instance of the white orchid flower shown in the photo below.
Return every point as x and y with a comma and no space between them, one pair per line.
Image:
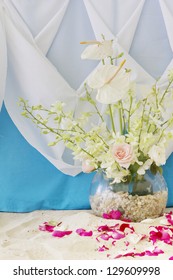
142,169
111,81
97,50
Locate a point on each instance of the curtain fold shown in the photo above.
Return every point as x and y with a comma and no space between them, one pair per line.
3,56
32,76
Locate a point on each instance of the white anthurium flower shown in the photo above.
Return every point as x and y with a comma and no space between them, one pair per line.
111,82
98,50
157,154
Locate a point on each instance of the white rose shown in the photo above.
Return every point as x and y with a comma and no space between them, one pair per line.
157,154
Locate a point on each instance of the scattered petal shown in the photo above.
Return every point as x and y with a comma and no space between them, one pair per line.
59,233
104,228
113,214
155,252
169,218
124,226
129,254
162,234
83,232
105,236
171,258
117,235
103,248
46,227
127,243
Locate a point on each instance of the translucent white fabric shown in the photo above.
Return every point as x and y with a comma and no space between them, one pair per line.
3,57
30,29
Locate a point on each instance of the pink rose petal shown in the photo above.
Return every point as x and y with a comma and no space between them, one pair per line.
104,228
116,215
123,154
169,218
161,233
103,248
113,214
155,252
130,254
59,233
171,258
117,235
105,236
125,226
46,227
83,232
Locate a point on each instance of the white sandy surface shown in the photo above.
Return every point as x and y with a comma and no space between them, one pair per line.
20,237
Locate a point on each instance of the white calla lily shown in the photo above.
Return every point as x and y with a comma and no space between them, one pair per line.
111,82
98,50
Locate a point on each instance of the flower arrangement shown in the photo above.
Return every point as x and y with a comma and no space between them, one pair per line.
132,131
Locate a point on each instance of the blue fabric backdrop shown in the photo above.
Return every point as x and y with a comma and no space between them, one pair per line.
27,180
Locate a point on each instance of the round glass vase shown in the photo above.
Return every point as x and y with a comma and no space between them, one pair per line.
146,198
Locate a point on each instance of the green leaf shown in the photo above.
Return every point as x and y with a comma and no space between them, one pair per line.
52,144
153,168
24,114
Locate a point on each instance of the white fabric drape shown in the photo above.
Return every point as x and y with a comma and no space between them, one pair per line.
3,56
32,76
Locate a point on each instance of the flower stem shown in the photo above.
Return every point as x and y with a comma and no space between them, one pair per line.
142,121
166,90
95,106
56,132
129,115
120,118
111,116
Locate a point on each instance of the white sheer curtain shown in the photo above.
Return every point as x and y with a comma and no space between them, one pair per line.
3,56
29,29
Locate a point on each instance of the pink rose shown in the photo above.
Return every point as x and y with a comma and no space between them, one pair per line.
123,153
87,167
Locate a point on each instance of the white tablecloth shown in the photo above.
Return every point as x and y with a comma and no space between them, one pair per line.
20,237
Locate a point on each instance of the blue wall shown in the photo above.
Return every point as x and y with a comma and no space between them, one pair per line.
27,180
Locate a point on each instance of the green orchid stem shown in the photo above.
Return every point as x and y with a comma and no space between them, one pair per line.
111,116
95,106
120,117
142,121
52,130
166,90
129,113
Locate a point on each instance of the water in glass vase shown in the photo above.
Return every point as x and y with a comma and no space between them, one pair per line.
136,201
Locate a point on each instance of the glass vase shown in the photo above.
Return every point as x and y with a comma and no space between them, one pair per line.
146,198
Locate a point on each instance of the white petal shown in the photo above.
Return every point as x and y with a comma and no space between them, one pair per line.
114,91
101,75
98,51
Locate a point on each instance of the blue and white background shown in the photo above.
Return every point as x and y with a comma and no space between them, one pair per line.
40,61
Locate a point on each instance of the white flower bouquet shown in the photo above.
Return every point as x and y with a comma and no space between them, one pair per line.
132,132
